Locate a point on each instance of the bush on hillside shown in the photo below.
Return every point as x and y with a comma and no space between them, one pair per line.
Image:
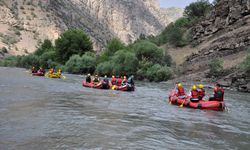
215,68
30,61
145,50
245,66
143,66
72,42
197,9
46,59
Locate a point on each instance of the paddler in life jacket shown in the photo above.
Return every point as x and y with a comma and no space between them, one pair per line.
51,71
218,93
59,72
194,94
96,79
105,82
201,91
118,81
124,81
130,81
33,70
180,91
88,78
113,80
41,70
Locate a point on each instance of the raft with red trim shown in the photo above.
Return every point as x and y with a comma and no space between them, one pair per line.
202,104
92,85
38,74
123,88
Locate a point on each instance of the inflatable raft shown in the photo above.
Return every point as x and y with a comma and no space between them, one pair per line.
202,104
96,86
54,75
123,88
38,74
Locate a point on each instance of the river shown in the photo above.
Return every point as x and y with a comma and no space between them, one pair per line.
41,113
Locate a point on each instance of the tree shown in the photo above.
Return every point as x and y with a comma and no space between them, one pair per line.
197,9
72,42
45,47
113,46
145,50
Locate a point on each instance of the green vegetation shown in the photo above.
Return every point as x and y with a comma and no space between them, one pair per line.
245,66
197,9
74,53
72,42
216,68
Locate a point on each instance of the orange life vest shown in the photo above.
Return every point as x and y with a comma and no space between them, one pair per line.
181,91
194,94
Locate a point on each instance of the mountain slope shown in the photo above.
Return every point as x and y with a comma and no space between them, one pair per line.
25,23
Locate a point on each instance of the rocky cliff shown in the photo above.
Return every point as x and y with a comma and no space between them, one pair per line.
24,23
225,34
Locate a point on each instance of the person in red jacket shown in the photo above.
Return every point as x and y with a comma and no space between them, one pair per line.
113,80
201,91
124,81
194,94
218,93
180,91
119,81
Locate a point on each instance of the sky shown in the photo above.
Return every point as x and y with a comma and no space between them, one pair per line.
176,3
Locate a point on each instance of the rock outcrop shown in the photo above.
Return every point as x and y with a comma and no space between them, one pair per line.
225,33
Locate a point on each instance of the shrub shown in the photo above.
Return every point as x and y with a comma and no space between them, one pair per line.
113,46
125,63
245,66
104,68
88,63
148,51
45,47
9,62
73,65
46,59
216,67
72,42
197,9
158,73
143,67
29,61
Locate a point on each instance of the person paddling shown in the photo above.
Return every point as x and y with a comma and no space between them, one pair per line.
88,78
113,80
105,82
124,81
194,94
118,81
201,91
218,93
180,91
96,79
33,70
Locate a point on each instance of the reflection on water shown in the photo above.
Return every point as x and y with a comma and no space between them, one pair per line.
41,113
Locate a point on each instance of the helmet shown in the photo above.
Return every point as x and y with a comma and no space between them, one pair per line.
96,75
89,74
201,86
113,76
33,67
125,77
194,87
41,68
105,76
59,70
179,85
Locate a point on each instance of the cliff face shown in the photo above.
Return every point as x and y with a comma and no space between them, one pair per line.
224,34
25,23
103,20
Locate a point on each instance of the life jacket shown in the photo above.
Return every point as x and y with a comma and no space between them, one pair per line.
113,81
88,79
201,93
194,94
124,81
181,91
219,94
96,79
119,82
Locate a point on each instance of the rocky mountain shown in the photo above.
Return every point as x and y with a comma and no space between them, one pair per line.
225,34
25,23
173,13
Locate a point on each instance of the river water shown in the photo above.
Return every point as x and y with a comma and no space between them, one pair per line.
41,113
